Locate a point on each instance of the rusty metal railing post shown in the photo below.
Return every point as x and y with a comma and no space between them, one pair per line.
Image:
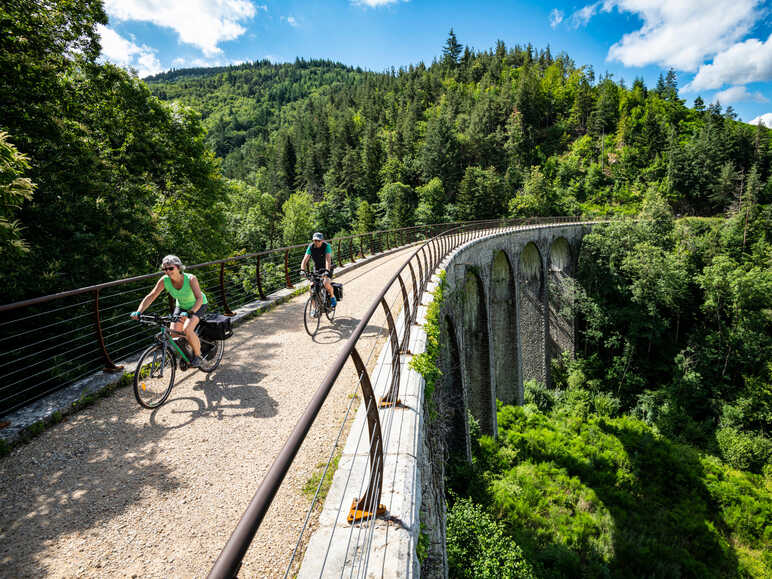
223,297
391,398
351,249
340,263
428,274
109,365
361,247
372,243
420,270
405,348
414,313
361,509
286,269
260,291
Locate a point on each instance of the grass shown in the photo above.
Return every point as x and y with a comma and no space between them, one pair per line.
321,480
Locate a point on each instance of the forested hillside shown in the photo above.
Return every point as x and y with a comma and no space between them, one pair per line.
510,131
103,173
98,178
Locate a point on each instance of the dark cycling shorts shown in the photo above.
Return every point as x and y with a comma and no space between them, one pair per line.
328,273
200,313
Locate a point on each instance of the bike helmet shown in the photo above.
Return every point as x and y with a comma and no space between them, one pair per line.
173,260
318,236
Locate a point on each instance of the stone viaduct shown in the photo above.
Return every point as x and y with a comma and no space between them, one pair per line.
505,316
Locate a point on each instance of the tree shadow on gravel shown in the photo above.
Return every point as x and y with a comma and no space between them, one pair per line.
341,329
60,484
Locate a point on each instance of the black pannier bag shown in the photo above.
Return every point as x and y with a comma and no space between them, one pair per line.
337,289
216,327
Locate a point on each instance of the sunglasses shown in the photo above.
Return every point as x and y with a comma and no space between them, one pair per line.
170,268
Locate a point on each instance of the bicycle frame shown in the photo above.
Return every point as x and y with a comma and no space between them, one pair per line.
164,337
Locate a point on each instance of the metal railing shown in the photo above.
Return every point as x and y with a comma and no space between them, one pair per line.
53,341
408,284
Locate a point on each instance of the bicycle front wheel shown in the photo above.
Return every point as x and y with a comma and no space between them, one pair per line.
154,376
211,359
312,315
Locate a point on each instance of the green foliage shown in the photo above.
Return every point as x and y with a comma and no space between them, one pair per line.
482,194
14,189
122,179
365,218
744,450
478,546
534,198
422,545
297,220
431,203
585,495
396,205
426,362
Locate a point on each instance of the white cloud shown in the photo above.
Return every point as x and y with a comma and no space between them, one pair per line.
201,23
738,94
126,54
681,34
373,3
556,17
290,20
749,61
582,16
766,118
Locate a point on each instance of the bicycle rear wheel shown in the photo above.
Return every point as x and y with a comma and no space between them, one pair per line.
211,354
312,315
154,376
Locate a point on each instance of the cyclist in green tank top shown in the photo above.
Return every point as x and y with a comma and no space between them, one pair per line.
191,301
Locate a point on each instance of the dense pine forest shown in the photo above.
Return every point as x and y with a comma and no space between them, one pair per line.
103,173
653,446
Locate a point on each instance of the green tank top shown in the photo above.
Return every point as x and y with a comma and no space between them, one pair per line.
184,295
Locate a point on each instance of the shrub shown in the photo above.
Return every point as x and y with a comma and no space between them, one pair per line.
537,393
478,547
744,450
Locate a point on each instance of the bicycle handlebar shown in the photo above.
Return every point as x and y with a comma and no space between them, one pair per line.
317,274
158,320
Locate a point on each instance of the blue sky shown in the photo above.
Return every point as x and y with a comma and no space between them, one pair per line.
721,49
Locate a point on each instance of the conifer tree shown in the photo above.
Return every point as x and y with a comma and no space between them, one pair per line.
452,51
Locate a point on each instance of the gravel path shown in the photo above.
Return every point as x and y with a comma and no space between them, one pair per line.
116,490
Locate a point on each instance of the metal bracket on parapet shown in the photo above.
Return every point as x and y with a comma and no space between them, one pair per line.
359,513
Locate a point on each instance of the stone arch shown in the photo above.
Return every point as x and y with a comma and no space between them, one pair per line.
561,298
504,330
531,329
477,354
451,400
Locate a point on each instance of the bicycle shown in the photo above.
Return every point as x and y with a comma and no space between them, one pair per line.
318,303
157,366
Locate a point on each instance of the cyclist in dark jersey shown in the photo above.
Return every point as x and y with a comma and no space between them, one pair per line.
321,252
191,301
